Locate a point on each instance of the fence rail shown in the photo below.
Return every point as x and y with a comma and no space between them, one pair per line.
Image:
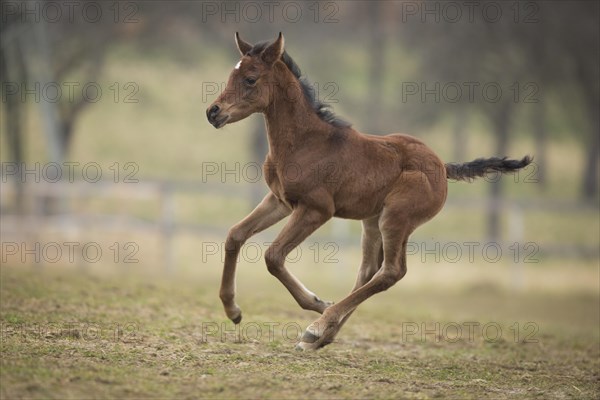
165,224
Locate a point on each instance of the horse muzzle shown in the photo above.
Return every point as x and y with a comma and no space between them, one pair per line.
215,117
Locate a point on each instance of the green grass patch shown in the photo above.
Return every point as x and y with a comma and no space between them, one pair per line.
68,334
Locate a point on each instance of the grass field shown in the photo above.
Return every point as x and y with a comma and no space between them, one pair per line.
68,333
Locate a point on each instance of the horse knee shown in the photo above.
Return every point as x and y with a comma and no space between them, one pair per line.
236,237
389,276
387,281
274,261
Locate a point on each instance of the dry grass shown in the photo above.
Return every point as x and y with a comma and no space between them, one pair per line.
73,334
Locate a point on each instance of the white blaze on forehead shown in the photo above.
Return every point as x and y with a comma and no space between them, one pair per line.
237,66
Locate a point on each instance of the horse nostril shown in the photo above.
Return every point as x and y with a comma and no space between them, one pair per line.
214,110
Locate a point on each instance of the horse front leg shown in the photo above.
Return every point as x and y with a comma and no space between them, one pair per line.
303,222
267,213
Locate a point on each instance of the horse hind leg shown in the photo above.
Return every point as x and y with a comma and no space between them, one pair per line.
394,239
372,256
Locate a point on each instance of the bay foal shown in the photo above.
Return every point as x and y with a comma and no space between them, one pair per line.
317,168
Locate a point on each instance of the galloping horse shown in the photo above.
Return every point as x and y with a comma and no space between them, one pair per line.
392,183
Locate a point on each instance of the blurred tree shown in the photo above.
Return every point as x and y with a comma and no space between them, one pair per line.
562,52
56,59
376,66
480,62
579,41
527,46
13,75
76,52
260,147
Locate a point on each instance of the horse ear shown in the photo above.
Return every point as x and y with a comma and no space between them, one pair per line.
242,46
274,51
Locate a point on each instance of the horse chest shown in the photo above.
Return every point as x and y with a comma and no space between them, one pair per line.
280,187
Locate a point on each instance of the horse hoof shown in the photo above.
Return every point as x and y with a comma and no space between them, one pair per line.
237,319
309,341
309,337
303,346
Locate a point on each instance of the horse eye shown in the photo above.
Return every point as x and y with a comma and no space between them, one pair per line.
250,81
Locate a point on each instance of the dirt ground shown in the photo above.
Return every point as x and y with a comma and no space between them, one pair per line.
76,334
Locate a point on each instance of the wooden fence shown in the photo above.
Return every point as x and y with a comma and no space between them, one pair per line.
17,226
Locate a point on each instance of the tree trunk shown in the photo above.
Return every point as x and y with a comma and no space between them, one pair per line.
501,122
39,68
376,68
260,148
541,141
587,77
14,72
590,173
460,141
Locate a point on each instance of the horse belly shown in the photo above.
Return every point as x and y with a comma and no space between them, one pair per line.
361,206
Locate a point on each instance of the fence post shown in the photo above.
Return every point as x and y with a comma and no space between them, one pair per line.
166,225
516,234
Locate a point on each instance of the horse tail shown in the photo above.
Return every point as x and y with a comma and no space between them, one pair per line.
482,166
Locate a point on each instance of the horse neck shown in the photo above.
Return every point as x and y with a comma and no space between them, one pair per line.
289,117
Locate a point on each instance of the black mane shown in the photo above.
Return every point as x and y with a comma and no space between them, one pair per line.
323,110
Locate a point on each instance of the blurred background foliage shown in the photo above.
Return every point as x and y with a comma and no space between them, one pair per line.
366,59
